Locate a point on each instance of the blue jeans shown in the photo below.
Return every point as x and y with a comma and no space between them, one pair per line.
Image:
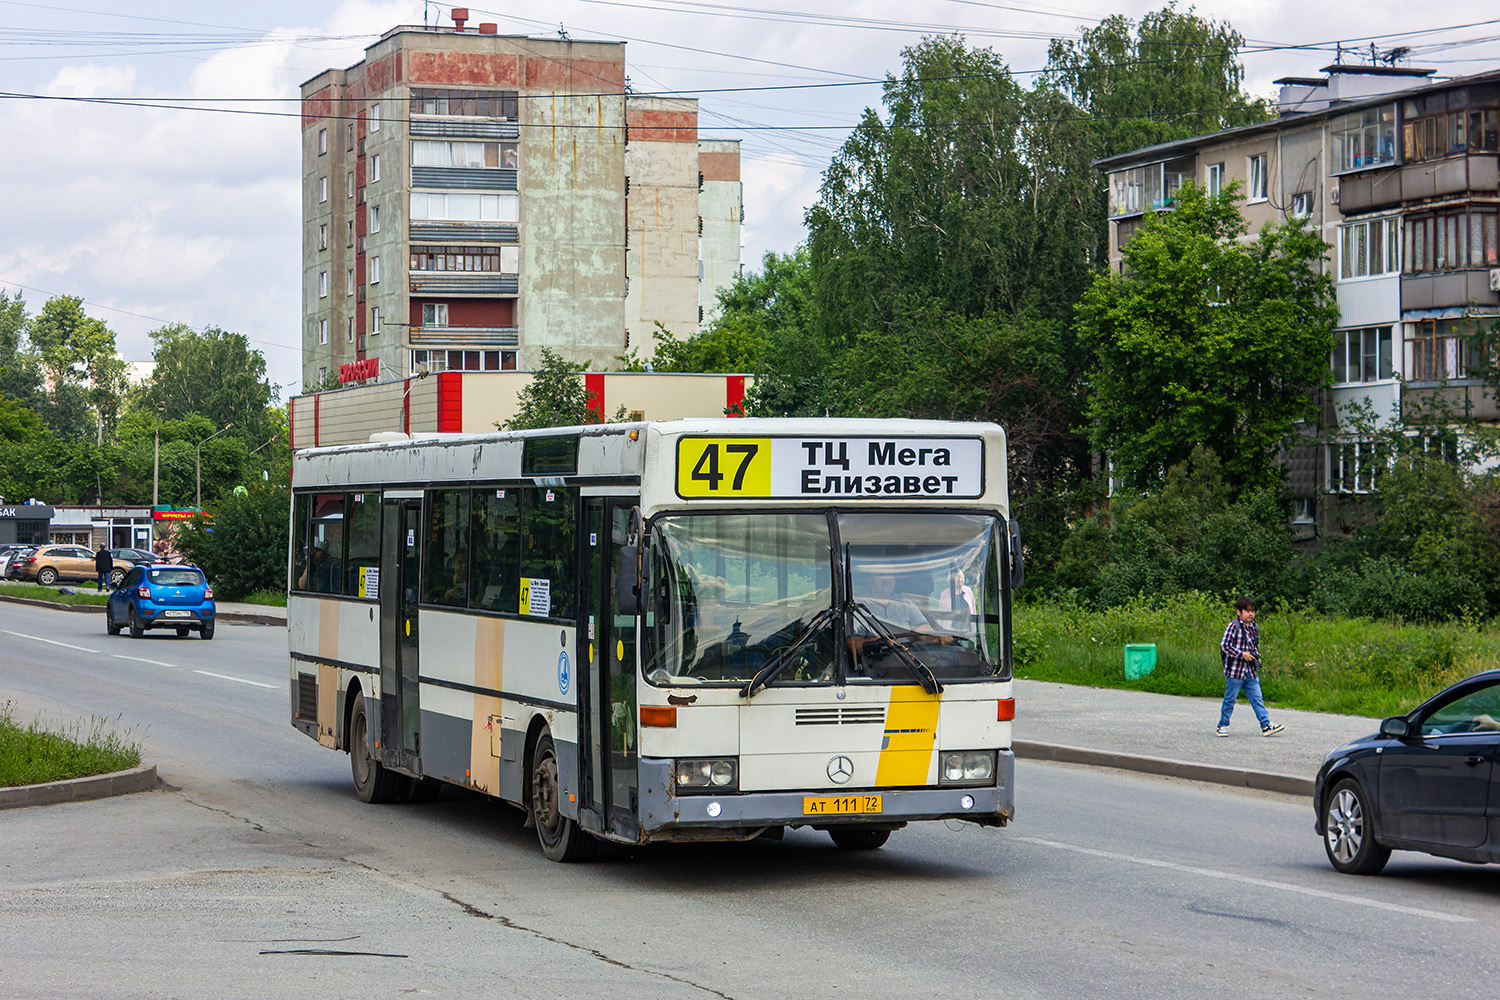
104,580
1251,687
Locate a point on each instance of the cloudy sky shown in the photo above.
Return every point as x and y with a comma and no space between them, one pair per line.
175,198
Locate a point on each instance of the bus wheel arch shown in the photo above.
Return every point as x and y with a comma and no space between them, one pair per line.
341,739
561,838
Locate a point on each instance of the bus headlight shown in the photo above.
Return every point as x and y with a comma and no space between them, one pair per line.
707,775
975,768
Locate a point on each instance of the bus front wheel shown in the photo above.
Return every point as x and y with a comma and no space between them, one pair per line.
561,838
372,782
854,839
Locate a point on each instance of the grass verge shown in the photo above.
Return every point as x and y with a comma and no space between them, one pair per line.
33,755
268,598
1349,666
39,593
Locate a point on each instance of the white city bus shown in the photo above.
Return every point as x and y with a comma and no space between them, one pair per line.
689,630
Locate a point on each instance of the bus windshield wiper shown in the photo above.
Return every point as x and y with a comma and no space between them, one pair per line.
923,673
784,659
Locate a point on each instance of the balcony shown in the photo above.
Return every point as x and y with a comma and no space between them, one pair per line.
465,178
1456,175
1447,290
463,283
1469,399
463,128
464,232
468,337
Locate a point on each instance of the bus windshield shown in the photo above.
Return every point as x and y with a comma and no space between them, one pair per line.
732,593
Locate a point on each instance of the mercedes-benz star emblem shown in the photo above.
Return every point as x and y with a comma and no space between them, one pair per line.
840,770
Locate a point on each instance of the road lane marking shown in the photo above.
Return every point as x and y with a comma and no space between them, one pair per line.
51,642
238,680
1250,880
141,659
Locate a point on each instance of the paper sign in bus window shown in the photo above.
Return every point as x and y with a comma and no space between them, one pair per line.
536,596
369,581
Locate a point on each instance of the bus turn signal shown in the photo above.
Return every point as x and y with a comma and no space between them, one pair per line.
1005,713
662,718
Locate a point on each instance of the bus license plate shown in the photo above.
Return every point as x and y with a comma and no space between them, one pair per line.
177,614
839,805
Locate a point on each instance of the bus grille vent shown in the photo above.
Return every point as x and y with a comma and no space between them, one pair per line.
851,716
307,697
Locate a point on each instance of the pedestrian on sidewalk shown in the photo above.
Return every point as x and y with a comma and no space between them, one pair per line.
1241,650
104,564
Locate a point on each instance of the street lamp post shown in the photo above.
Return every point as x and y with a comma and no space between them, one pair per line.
198,463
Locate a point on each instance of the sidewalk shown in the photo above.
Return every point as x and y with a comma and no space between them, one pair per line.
1137,731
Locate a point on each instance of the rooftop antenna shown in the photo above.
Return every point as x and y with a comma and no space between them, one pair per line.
562,32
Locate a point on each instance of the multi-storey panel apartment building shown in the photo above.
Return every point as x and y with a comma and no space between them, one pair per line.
1398,173
468,200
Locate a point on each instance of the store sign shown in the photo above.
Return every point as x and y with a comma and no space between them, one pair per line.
734,468
358,371
173,515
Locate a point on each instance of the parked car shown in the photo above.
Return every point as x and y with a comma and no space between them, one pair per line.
8,554
1422,783
126,558
51,563
161,596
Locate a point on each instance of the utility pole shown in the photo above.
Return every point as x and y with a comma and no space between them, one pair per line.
156,457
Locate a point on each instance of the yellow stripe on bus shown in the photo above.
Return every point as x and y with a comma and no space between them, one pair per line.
910,738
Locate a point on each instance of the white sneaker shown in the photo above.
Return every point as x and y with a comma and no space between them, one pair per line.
1222,731
1271,730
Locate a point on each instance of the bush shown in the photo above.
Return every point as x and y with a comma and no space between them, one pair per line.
244,548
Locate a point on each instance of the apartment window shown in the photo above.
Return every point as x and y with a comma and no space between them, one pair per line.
1369,248
1302,205
323,237
1353,467
471,103
1444,241
1363,355
375,270
1303,510
434,314
375,168
1438,350
351,184
465,207
322,284
510,260
349,282
349,335
456,153
1363,138
322,188
375,322
464,361
1127,191
456,258
375,117
322,377
351,136
510,155
1255,170
374,218
1455,121
350,241
1215,179
322,141
322,331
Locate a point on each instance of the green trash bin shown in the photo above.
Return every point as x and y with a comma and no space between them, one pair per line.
1140,660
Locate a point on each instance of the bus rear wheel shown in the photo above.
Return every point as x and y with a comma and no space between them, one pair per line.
852,838
561,838
372,782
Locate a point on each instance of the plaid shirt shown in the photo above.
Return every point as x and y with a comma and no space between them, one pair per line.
1241,637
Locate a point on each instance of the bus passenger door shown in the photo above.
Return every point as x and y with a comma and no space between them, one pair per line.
610,753
400,573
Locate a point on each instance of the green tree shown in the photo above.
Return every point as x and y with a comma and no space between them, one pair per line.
1207,340
213,373
555,397
20,371
77,354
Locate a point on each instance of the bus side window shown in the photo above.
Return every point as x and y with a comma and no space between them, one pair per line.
301,510
497,550
445,563
548,532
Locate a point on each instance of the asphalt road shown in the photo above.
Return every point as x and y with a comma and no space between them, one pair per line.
258,874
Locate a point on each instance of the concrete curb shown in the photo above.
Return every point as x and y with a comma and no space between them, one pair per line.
100,786
1290,784
226,616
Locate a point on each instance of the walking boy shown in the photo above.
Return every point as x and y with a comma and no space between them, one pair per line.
1241,649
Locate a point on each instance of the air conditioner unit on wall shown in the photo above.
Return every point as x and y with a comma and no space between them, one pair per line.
1333,195
1495,279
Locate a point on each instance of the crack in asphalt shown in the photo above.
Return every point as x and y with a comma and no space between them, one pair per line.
510,924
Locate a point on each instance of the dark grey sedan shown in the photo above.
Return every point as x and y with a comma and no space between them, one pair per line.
1426,782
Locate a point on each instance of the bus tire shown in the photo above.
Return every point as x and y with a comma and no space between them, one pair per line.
419,791
372,781
561,838
852,838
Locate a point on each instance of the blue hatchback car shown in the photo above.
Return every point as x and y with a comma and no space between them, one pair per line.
161,596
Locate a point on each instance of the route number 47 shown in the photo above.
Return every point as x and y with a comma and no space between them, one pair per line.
737,456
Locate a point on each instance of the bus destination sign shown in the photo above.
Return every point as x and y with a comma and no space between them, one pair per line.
857,468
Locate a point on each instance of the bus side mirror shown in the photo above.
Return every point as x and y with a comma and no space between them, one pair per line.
1017,560
628,581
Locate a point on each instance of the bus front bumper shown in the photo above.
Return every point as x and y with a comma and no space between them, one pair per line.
736,815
